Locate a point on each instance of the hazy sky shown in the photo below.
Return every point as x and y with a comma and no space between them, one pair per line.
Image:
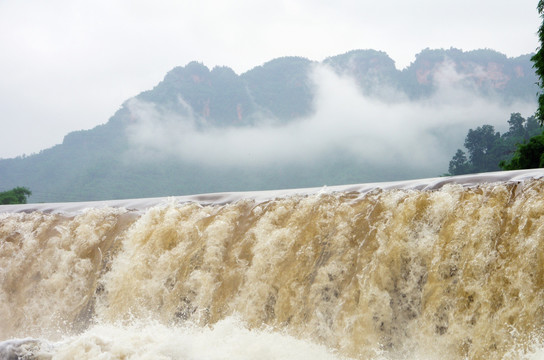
67,65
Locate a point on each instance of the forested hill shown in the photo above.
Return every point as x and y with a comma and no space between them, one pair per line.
105,163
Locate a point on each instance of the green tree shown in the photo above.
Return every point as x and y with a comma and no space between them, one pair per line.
481,144
16,195
531,154
532,128
459,164
527,156
516,123
489,150
538,63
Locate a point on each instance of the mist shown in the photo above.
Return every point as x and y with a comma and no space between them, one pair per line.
422,134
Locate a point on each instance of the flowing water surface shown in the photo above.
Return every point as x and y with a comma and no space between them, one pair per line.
453,272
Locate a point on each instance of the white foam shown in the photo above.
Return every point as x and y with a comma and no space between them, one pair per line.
17,348
228,339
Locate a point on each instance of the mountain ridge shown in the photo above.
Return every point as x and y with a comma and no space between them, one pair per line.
89,164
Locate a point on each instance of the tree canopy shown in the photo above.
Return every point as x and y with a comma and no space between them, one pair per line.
531,154
527,156
16,195
538,63
488,150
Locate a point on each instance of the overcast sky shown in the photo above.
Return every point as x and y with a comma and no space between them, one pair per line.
67,65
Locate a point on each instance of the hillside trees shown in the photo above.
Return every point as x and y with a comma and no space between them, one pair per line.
16,195
488,150
527,156
531,154
482,144
459,163
538,63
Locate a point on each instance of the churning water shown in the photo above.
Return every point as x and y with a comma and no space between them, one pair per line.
450,269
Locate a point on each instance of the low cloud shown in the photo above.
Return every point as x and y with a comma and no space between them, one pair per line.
422,134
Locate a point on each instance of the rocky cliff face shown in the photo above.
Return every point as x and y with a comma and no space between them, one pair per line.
486,71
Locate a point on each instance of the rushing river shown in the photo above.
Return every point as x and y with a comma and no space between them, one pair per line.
447,268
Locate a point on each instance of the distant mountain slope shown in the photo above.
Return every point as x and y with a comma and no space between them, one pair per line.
281,87
488,71
103,163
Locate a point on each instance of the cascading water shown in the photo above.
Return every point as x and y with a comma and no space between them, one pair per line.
401,271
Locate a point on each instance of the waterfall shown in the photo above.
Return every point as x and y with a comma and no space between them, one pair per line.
446,268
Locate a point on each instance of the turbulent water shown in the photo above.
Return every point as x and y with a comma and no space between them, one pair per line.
449,271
